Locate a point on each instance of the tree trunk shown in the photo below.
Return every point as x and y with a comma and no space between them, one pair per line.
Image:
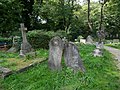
89,22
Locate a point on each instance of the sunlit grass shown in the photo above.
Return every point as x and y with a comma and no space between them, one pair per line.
114,45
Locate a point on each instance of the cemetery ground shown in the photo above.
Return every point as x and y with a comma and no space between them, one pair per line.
101,74
14,62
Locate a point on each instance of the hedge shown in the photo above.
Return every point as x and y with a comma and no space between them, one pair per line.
4,40
40,38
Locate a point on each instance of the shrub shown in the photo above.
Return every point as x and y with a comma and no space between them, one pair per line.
40,39
7,41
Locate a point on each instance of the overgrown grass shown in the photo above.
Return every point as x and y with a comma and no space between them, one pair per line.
101,74
117,45
15,62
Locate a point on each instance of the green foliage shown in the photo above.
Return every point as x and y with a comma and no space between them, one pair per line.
6,40
114,45
101,74
10,11
40,39
112,18
4,55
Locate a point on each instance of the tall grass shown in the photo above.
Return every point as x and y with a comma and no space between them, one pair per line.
101,74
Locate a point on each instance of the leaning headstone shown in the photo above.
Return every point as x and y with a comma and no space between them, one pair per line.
89,40
16,44
25,46
72,57
55,53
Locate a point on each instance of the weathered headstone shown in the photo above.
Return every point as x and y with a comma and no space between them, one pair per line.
115,40
72,57
97,52
89,40
25,46
101,35
99,49
83,41
56,46
16,44
99,45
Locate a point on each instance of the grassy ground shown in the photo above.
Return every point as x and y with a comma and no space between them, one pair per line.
117,45
14,62
101,74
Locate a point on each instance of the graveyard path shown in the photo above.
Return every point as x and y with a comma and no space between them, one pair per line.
115,52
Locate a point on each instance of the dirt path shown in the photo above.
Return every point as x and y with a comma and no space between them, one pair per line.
115,52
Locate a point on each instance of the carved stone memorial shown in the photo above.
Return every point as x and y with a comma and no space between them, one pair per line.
25,46
16,44
55,53
72,57
101,35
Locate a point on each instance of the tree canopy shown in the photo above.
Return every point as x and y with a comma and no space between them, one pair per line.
54,15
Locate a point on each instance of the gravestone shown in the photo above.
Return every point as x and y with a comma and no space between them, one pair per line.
89,40
100,45
99,49
16,44
97,52
72,57
101,35
115,40
56,46
25,46
83,41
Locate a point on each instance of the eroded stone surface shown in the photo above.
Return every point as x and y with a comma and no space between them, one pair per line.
25,46
55,53
97,52
72,57
89,40
5,72
16,44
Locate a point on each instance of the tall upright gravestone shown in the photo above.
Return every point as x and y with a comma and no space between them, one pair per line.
25,46
72,57
55,53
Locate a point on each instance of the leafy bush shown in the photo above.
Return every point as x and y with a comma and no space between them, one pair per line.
40,39
7,41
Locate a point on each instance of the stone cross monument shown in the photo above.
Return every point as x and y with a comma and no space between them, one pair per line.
25,46
23,30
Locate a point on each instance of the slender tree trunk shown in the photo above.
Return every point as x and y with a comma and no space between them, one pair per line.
89,22
101,18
